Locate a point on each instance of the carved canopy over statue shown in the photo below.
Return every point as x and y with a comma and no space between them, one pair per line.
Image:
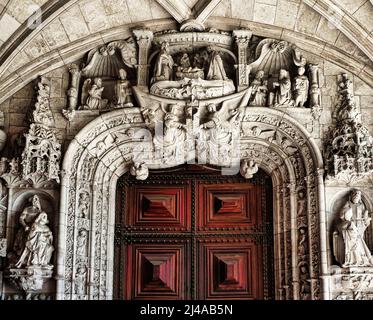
350,249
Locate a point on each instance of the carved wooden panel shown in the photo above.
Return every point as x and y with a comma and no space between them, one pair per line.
193,235
159,206
227,205
229,270
158,270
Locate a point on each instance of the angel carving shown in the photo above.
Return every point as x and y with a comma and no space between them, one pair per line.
248,168
92,94
174,128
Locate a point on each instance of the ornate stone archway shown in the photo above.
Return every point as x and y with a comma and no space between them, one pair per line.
104,150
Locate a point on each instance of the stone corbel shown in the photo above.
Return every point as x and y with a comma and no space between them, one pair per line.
30,279
144,40
242,38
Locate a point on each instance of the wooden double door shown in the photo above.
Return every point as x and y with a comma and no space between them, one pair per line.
194,234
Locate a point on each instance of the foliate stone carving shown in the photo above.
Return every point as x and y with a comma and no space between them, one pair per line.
42,153
30,279
349,247
349,149
3,245
248,168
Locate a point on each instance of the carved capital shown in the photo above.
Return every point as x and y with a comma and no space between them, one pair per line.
143,37
242,37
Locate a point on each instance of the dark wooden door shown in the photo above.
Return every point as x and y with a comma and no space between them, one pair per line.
194,234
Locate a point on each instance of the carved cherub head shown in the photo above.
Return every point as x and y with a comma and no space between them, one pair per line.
283,74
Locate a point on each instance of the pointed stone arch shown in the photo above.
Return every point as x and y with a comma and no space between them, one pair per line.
102,152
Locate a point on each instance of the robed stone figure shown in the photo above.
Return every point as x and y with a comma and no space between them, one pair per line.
216,69
350,249
164,65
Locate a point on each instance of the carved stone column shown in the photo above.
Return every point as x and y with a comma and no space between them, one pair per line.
315,96
242,38
144,39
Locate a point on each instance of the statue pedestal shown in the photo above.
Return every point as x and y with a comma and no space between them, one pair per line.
30,279
352,283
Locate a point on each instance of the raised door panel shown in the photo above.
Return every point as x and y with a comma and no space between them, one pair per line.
229,269
227,206
164,208
157,271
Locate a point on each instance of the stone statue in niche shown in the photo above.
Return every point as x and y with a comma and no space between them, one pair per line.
305,286
81,280
282,96
26,220
216,69
123,91
81,246
38,248
94,99
248,168
83,205
139,170
302,242
259,90
350,249
300,88
164,65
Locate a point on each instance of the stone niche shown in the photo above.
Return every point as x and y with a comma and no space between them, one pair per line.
351,246
32,278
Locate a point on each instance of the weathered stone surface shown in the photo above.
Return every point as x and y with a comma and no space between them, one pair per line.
74,24
327,31
55,35
139,10
286,14
264,13
365,15
36,47
308,19
243,10
94,14
7,26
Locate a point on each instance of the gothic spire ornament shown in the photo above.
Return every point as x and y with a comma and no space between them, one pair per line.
349,152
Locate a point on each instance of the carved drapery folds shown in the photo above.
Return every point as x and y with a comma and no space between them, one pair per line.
30,259
349,149
96,174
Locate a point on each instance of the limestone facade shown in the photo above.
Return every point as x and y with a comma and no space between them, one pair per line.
285,86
